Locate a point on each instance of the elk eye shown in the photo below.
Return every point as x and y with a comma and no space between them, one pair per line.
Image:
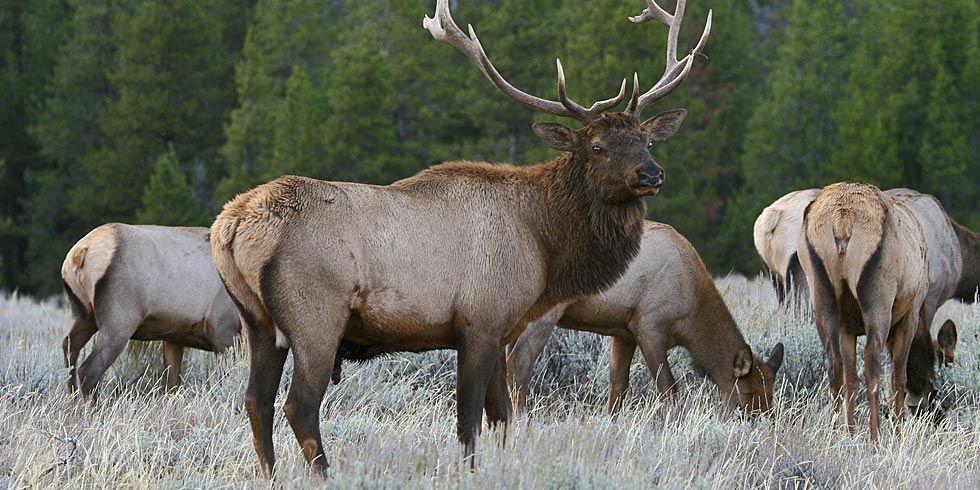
597,149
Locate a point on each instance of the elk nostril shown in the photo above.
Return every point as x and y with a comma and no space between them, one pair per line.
653,177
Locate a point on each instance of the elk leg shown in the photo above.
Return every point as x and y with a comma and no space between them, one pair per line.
497,401
620,358
107,349
654,350
901,342
828,328
265,372
81,332
173,356
310,381
873,352
848,355
523,354
476,363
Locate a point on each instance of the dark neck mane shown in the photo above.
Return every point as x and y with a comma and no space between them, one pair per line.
589,242
969,240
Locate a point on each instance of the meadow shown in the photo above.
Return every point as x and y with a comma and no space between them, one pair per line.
390,423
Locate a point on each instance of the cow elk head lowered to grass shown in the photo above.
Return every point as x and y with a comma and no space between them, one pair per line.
665,299
460,256
864,255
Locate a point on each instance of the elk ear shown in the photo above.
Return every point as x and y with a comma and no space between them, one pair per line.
743,362
665,124
557,136
775,360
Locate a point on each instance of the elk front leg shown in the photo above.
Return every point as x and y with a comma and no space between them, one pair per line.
265,371
497,402
173,356
620,358
476,363
874,349
523,354
654,350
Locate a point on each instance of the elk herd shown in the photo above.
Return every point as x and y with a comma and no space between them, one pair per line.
487,259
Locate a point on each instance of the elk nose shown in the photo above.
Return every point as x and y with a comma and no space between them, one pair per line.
650,177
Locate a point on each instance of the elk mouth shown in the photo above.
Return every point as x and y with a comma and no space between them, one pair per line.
641,190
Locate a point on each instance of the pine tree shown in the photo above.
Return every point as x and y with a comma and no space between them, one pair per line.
171,72
917,132
285,34
30,32
792,132
168,198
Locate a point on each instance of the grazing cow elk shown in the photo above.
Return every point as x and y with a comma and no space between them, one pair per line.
953,272
459,256
666,298
776,232
143,282
864,255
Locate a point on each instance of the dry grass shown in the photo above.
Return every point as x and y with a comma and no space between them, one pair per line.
391,423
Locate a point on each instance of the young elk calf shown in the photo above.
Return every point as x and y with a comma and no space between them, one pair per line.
143,283
864,255
665,299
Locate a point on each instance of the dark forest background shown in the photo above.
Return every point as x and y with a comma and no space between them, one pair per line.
158,111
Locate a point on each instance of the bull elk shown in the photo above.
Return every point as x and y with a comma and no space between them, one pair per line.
460,256
143,282
665,299
864,255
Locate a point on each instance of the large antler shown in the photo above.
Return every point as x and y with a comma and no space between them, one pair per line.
676,70
444,29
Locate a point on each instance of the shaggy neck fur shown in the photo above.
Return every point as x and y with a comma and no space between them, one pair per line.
589,242
970,250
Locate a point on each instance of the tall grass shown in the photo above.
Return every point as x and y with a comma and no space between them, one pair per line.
391,423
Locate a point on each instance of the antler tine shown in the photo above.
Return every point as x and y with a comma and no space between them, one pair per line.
676,70
443,28
597,108
636,93
653,11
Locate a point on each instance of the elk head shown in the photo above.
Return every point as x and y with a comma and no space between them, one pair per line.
754,379
613,149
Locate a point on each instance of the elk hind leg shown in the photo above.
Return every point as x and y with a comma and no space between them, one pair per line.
82,330
848,356
116,326
313,363
266,362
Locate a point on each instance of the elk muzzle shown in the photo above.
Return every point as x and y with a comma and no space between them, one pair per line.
647,180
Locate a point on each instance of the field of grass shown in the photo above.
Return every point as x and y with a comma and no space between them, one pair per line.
391,423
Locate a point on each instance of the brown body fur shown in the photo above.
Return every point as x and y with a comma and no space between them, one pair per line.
143,283
864,255
460,256
665,299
